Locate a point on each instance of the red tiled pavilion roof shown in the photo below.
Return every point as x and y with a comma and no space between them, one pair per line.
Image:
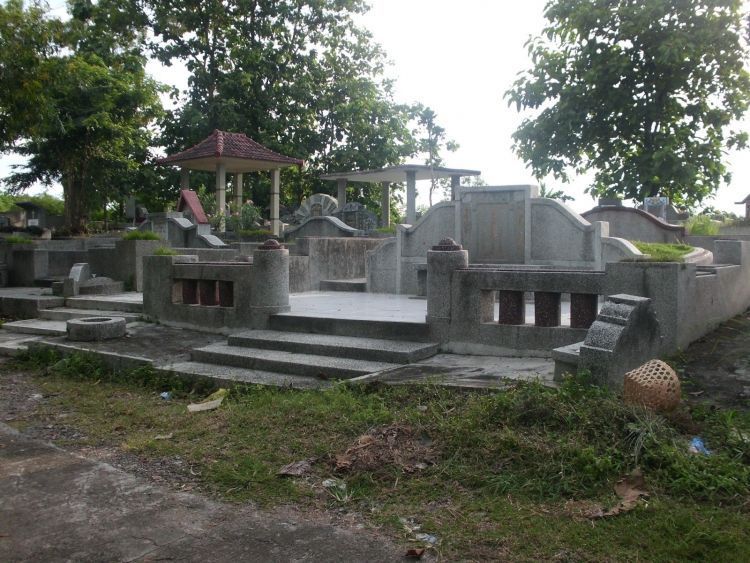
232,149
189,199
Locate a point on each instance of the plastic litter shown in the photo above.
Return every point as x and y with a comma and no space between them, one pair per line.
698,447
213,401
166,395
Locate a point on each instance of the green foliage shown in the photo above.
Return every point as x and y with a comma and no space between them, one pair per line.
431,140
92,101
663,252
53,205
391,230
702,225
245,219
17,239
641,93
165,251
256,234
141,235
550,193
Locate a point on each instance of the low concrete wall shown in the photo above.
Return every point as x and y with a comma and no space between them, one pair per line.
635,224
708,241
217,296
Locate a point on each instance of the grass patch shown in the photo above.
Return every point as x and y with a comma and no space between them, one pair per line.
141,235
663,252
507,465
165,251
17,239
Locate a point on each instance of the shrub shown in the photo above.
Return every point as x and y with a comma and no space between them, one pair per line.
701,225
141,235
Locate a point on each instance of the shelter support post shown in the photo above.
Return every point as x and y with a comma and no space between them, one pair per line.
184,179
411,197
341,193
221,195
275,192
238,191
385,204
455,183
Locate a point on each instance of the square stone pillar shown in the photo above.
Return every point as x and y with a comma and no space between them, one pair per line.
221,194
385,204
184,179
512,307
341,192
411,197
238,191
546,308
455,184
275,195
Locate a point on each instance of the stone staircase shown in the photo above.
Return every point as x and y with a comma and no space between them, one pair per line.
301,351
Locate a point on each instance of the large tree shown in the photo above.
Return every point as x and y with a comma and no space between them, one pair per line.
642,93
93,101
300,77
431,141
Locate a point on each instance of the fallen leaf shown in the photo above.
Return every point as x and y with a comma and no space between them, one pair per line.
164,436
296,468
630,489
415,553
206,406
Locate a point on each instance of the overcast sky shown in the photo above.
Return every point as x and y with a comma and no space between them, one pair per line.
459,58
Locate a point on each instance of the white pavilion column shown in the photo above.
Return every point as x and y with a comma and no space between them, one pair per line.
341,194
275,193
411,197
455,184
385,204
221,194
238,191
184,179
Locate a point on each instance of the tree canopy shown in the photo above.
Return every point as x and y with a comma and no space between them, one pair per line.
642,93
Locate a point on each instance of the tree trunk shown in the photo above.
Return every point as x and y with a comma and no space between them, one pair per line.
73,192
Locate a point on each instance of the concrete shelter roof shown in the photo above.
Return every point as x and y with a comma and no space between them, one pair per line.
398,173
236,151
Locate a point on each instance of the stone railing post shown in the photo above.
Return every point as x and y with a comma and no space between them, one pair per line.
442,260
269,287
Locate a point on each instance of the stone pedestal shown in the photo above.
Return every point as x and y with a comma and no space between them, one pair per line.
269,292
442,260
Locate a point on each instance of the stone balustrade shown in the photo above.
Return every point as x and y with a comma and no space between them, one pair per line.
217,296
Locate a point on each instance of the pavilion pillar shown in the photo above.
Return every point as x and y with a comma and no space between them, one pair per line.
184,179
238,191
221,195
385,204
455,184
275,192
341,194
411,197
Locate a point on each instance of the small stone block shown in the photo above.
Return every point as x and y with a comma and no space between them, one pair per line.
207,293
546,308
512,309
583,309
226,294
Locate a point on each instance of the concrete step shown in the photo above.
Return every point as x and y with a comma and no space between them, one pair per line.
13,344
37,326
67,313
378,350
386,330
127,302
228,375
358,285
278,361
